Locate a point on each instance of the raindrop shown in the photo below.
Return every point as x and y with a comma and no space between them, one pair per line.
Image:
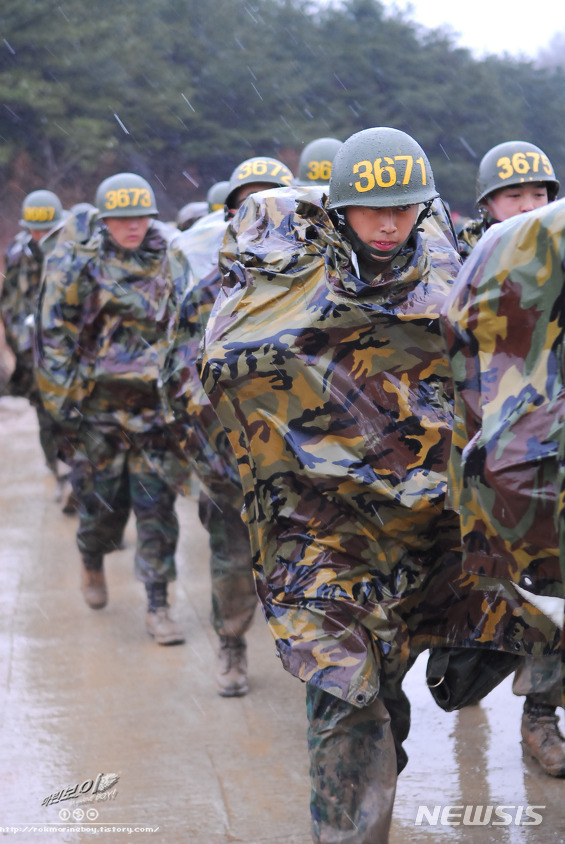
10,48
468,147
146,491
102,501
190,179
257,92
248,10
188,103
13,113
121,124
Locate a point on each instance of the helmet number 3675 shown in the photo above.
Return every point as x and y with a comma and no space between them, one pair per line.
519,164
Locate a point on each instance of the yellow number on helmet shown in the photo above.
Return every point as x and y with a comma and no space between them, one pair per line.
388,171
506,165
111,200
365,173
520,163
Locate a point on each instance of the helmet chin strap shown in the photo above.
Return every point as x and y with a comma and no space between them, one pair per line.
369,253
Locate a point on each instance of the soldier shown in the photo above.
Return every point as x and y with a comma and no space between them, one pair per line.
315,163
42,213
190,213
504,328
516,177
233,591
251,176
104,314
324,361
216,196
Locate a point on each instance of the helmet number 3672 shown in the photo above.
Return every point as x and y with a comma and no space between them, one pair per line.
264,167
385,174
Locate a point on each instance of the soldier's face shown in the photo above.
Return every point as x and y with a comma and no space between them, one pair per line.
384,229
508,202
128,232
36,234
247,190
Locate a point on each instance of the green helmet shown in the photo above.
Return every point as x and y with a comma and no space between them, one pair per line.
261,170
216,196
515,163
380,168
125,195
315,164
41,210
190,213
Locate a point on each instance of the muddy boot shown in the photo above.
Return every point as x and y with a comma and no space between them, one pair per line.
158,622
93,582
70,507
231,673
62,476
541,737
59,488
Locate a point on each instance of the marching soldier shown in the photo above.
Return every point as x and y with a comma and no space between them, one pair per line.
42,214
324,360
514,178
104,315
233,591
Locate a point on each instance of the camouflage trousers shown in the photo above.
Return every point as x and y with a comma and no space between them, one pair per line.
355,757
49,435
22,383
112,475
540,679
233,589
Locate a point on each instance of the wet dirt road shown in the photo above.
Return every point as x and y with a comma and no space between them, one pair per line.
87,693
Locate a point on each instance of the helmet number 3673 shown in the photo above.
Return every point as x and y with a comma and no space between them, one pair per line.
124,197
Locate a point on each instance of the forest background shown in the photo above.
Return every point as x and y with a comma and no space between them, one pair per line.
181,91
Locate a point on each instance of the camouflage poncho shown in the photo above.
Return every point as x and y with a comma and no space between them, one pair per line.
336,395
196,425
18,304
470,235
102,336
504,327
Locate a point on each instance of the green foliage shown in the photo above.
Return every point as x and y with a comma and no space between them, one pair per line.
181,91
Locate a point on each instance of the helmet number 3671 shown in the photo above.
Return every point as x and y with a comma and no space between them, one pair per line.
385,174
